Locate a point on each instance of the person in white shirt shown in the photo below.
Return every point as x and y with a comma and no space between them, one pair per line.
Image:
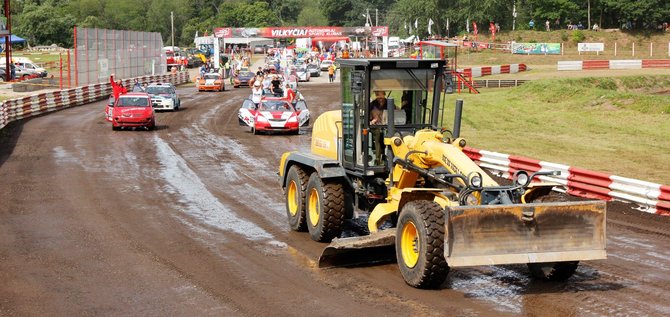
256,93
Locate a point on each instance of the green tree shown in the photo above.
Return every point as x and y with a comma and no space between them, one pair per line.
45,24
310,15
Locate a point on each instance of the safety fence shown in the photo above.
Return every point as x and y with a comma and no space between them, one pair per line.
21,108
613,64
497,83
494,70
651,197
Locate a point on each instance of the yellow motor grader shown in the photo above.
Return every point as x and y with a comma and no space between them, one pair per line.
385,161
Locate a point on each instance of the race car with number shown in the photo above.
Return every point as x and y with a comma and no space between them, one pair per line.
274,114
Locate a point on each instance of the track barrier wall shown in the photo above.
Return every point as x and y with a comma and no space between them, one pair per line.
26,107
650,197
494,70
613,64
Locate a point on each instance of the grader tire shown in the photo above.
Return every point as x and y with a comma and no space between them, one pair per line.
420,244
551,271
296,187
325,209
554,271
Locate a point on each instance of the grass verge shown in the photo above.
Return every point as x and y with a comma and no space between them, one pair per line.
614,125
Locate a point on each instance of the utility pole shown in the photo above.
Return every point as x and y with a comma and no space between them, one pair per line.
588,13
172,27
514,15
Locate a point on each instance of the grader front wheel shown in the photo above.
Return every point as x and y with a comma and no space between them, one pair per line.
420,244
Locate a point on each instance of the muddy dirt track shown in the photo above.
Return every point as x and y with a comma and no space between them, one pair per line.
189,220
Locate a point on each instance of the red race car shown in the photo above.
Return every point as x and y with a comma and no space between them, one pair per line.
273,114
133,110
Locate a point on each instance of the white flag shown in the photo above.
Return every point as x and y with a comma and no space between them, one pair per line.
430,26
467,25
196,33
416,23
405,25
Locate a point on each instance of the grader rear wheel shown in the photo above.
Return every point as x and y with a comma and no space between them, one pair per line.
325,209
420,244
296,187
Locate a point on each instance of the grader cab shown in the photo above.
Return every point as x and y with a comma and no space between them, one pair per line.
386,159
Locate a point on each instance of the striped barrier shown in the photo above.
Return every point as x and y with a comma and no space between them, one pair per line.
651,197
613,64
494,70
26,107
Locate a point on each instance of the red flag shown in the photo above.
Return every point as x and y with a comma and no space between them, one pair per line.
474,27
492,27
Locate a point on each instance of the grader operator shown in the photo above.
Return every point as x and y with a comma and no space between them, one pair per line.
392,166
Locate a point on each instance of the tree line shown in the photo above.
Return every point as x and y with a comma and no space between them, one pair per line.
44,22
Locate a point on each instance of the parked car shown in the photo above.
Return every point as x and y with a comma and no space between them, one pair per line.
163,96
302,73
325,64
211,82
133,110
314,70
31,67
273,114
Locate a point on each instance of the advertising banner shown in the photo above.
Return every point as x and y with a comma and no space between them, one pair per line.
536,48
590,47
300,32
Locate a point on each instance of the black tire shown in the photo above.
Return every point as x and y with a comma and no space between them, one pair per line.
324,202
296,187
425,266
254,131
554,271
115,128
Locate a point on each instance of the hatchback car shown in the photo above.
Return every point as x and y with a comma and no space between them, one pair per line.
133,110
163,96
314,70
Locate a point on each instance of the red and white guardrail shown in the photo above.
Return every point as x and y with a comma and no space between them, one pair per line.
25,107
494,70
651,197
614,64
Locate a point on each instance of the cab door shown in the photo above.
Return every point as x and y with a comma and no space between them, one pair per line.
247,113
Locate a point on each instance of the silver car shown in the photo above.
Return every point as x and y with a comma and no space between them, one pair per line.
163,96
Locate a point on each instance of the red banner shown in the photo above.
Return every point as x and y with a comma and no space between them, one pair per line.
298,32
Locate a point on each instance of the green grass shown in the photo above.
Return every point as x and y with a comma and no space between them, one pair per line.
614,125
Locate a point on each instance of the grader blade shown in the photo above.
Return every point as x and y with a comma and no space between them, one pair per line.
378,247
528,233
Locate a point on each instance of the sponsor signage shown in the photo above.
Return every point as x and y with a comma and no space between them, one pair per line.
590,47
536,48
299,32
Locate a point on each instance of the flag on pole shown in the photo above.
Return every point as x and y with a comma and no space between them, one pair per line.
430,25
474,27
405,27
416,23
447,27
196,33
410,28
467,25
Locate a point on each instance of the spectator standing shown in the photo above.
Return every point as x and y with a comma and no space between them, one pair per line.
547,25
531,24
331,73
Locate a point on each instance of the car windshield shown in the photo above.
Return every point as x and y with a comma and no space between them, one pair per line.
312,66
158,90
246,74
211,76
276,105
133,102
